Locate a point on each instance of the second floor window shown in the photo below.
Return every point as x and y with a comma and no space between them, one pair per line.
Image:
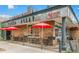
21,21
26,19
33,18
29,19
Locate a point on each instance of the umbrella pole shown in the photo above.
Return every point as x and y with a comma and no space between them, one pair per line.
28,33
23,37
39,35
42,39
11,36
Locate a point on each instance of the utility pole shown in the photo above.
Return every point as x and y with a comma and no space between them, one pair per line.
63,39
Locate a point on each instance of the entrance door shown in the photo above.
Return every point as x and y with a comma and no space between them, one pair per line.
8,35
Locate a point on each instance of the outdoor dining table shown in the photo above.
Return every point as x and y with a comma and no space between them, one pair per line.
33,39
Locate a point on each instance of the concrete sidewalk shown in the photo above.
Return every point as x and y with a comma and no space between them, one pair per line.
9,47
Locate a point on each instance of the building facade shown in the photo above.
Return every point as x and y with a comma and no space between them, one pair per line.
52,16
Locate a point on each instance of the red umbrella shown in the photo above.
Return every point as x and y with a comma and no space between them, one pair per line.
0,28
42,25
3,28
9,28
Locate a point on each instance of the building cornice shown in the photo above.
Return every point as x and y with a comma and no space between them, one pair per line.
45,10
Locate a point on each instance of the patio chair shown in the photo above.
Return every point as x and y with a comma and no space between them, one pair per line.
45,42
49,41
25,38
20,39
15,38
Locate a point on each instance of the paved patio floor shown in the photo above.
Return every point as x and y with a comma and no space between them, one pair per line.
8,47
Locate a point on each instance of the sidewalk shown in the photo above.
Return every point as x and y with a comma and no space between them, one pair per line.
49,48
9,47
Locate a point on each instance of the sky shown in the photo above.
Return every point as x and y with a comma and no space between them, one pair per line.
12,10
17,9
76,10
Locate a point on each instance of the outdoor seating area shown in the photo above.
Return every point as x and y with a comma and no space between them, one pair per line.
35,40
39,34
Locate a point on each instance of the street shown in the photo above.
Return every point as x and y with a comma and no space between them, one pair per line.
8,47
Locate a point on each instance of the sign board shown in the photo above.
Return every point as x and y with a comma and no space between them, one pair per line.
48,15
52,15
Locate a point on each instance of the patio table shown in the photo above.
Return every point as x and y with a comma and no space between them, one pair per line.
33,39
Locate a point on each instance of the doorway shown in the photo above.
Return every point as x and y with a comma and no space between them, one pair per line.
8,35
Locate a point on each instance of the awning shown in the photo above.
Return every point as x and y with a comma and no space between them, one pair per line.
74,28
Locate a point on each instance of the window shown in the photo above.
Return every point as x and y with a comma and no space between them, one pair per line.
14,22
8,23
11,23
29,19
21,21
25,19
18,21
32,18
